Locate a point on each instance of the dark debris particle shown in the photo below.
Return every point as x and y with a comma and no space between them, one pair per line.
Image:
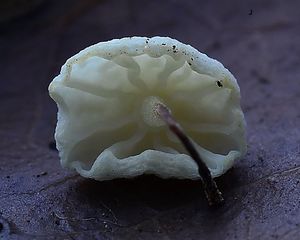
260,158
192,59
173,46
41,174
57,222
250,12
52,145
190,64
1,227
264,80
219,83
163,44
7,176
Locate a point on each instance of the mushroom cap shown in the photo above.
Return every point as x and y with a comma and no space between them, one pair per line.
105,128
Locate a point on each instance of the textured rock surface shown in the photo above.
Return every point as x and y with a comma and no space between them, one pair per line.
261,47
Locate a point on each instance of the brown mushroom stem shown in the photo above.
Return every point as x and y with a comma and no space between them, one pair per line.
213,194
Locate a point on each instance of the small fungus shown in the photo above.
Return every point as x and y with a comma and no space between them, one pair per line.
116,116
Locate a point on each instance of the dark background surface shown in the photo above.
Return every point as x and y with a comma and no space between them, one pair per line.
257,40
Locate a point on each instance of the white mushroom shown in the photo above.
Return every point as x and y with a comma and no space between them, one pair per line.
107,125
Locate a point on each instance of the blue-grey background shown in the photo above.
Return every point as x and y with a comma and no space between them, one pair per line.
258,40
